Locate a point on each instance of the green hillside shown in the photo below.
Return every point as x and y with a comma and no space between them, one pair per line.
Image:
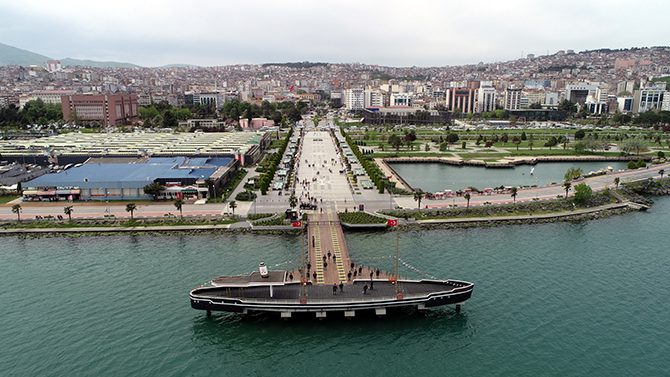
15,56
96,64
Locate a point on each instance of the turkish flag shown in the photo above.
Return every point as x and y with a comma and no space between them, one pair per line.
298,224
392,222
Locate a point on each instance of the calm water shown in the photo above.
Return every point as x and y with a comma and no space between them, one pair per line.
434,177
584,299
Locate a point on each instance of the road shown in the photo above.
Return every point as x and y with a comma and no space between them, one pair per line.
317,176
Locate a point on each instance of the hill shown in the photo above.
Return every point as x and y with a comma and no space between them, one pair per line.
10,55
96,64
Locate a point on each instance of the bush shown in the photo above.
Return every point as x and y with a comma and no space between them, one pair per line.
641,163
582,192
245,196
632,164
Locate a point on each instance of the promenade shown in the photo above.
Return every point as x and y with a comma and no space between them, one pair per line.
328,256
317,179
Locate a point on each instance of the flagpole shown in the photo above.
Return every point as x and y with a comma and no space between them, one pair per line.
397,247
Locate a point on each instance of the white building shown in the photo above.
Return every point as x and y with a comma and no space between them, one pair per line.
353,99
513,99
486,99
372,98
400,99
651,98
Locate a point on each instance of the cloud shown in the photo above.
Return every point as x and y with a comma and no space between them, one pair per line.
421,32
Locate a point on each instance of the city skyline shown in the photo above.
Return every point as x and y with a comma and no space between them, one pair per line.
425,34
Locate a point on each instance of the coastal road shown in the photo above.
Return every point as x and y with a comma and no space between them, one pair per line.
333,189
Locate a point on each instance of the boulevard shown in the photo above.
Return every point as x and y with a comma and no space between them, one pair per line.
317,176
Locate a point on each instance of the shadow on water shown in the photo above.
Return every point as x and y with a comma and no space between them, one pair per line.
217,328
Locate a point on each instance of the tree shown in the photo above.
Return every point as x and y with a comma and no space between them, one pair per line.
640,163
395,141
516,141
567,106
153,189
131,207
566,186
178,204
580,134
633,144
523,135
503,139
661,172
16,208
467,197
232,206
572,174
582,192
531,141
418,195
631,165
514,193
68,211
616,182
292,201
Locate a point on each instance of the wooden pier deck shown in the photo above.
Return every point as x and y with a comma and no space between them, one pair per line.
324,235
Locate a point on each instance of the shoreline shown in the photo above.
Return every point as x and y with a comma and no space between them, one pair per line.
592,213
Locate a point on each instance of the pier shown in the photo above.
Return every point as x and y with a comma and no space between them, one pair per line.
325,236
332,284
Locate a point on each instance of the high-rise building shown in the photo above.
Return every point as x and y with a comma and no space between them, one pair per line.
461,98
353,99
513,99
486,99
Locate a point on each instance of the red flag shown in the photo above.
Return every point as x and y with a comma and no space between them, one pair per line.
393,222
298,224
292,87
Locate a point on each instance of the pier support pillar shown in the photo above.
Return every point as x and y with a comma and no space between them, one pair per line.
458,307
209,313
320,315
349,314
380,312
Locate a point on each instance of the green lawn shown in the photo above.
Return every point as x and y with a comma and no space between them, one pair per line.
8,198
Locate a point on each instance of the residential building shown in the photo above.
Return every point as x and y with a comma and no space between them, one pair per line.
513,99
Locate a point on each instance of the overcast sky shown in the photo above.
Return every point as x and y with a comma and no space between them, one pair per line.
390,32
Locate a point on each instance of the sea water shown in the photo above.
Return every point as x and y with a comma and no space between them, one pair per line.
575,299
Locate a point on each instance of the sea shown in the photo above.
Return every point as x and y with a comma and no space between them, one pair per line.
562,299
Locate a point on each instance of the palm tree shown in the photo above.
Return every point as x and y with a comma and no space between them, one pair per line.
16,208
616,182
567,186
68,211
467,197
661,172
233,205
178,203
417,196
131,207
514,192
292,201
